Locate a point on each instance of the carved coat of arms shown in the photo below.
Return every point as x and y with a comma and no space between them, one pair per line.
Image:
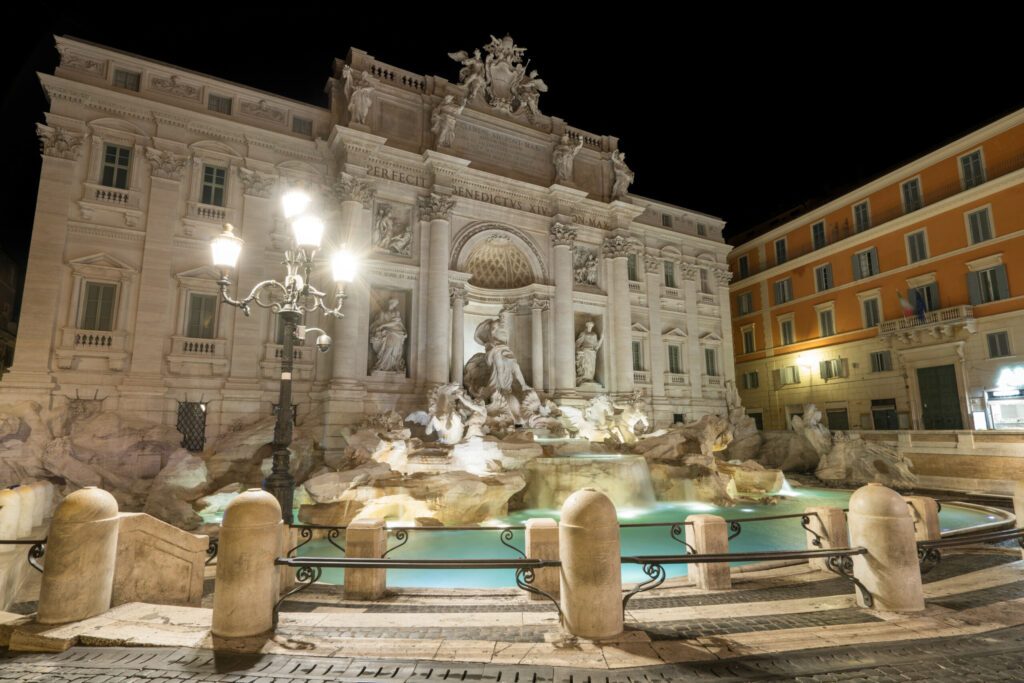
501,78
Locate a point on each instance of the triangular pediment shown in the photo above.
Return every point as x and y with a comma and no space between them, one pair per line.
216,147
637,327
200,273
705,257
102,260
710,337
674,333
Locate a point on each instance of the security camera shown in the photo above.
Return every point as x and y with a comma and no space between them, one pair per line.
323,342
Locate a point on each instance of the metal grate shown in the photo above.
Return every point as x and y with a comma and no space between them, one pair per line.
192,425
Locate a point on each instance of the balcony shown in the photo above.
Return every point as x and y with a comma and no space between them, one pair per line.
91,350
711,381
208,213
111,197
641,377
706,299
198,357
634,287
676,379
941,324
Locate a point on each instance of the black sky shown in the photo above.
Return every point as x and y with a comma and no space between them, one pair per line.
738,114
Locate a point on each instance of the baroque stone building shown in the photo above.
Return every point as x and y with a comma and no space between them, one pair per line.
463,199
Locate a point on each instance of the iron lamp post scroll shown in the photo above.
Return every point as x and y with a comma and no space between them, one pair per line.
291,300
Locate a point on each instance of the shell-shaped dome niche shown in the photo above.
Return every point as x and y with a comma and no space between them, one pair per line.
498,264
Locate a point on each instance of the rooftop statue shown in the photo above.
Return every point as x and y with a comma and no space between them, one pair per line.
359,91
501,77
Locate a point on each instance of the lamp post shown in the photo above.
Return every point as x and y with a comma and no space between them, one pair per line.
291,300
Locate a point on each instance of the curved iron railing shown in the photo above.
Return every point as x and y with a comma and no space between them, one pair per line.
929,553
37,548
306,532
211,551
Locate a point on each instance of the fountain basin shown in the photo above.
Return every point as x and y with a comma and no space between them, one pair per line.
625,479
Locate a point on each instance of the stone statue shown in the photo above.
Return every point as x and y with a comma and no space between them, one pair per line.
443,118
587,346
359,91
452,415
471,74
528,90
602,420
387,338
563,157
623,176
501,77
388,234
494,376
585,267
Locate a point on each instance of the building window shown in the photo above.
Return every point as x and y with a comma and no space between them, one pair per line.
670,274
748,340
872,314
705,284
631,268
638,358
213,185
786,329
219,104
881,361
925,296
832,368
789,375
826,323
783,291
780,251
702,230
988,285
980,225
743,263
883,413
917,246
192,425
998,344
98,307
129,80
710,363
201,322
865,263
838,419
302,126
911,191
818,234
666,220
823,277
675,364
972,170
116,161
745,303
750,380
861,217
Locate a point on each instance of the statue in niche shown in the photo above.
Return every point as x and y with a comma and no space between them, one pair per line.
389,235
387,338
471,74
359,91
585,267
563,157
587,345
623,176
443,118
494,376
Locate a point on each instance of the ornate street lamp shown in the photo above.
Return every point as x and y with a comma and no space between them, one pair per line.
291,300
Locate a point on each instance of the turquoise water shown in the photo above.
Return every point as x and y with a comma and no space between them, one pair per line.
782,534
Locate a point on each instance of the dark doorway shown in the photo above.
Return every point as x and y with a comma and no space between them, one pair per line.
940,401
883,413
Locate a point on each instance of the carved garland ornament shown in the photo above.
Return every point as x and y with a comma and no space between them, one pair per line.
652,264
436,207
164,164
619,247
59,142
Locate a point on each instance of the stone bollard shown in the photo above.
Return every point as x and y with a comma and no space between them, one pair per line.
246,586
366,538
48,494
880,521
708,535
591,576
542,544
39,502
925,513
1018,506
830,524
81,551
27,511
10,513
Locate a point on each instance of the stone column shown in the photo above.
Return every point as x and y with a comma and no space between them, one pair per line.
880,521
652,265
617,249
708,535
726,360
351,331
78,576
537,308
694,353
542,544
562,239
365,538
591,577
925,513
246,587
38,328
830,524
458,297
437,209
1018,505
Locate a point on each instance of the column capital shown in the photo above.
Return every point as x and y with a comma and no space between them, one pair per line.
652,264
436,207
256,184
347,188
688,271
166,165
539,304
722,276
60,143
458,295
619,246
562,235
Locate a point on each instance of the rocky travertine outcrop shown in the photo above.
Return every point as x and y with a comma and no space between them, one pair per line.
852,460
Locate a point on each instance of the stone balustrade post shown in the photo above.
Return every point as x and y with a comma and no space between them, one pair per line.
78,576
880,521
829,524
708,535
542,544
365,538
925,513
591,577
246,587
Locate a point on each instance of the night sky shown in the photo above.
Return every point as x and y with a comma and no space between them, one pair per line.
740,115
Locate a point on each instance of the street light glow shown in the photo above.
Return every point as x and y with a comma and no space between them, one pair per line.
226,248
294,203
309,230
344,265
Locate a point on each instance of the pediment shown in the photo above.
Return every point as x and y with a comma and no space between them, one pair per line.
200,273
710,337
671,253
637,327
101,260
674,333
216,147
706,257
294,167
110,124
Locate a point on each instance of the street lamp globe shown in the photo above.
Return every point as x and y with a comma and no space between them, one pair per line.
295,203
344,266
226,248
309,231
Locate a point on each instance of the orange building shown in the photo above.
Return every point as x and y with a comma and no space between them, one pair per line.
896,305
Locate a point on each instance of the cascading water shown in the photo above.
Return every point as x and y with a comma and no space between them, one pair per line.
623,478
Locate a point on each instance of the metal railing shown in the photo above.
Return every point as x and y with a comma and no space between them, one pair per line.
401,534
35,552
929,553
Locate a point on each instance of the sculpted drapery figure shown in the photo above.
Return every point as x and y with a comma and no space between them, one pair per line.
387,338
495,376
587,346
390,235
359,91
563,157
623,176
443,118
